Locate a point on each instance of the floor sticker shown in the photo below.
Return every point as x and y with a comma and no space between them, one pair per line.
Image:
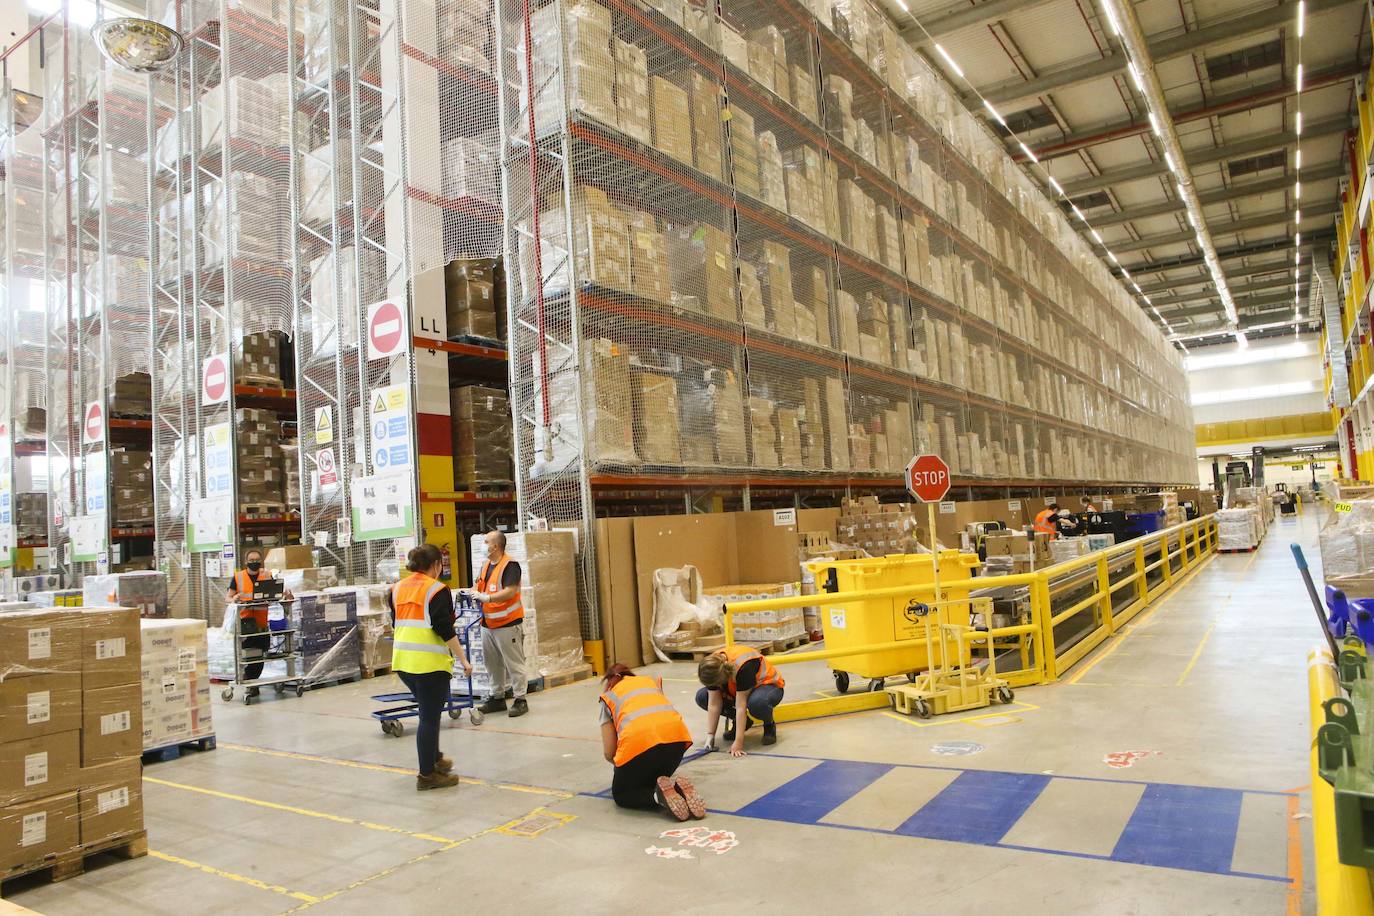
956,748
1122,759
704,838
535,823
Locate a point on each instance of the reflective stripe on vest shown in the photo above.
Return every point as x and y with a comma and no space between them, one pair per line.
499,613
643,717
416,648
738,655
1042,522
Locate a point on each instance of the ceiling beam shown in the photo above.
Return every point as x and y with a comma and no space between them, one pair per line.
1247,146
1268,303
1164,302
1280,269
1222,227
961,16
1244,100
1161,49
1225,195
1236,253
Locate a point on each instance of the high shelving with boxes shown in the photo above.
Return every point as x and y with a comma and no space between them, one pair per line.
768,245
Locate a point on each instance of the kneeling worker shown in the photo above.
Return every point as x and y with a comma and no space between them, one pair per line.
750,684
422,653
643,735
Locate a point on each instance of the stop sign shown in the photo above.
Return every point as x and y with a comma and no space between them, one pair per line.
927,477
385,329
94,426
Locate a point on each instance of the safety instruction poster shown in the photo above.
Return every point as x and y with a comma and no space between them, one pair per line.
389,419
89,536
383,507
210,524
96,479
6,518
219,461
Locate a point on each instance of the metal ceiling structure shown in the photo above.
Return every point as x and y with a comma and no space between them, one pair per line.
1228,70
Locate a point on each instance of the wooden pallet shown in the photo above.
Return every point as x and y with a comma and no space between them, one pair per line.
63,865
262,510
496,487
379,671
173,751
696,653
258,381
568,676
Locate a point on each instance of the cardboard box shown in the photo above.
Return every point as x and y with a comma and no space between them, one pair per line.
35,767
111,800
656,418
111,724
39,642
110,647
43,704
296,556
35,829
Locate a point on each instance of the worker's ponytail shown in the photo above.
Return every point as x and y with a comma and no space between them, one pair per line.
715,671
619,671
422,558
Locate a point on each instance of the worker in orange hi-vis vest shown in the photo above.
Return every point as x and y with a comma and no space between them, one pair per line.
643,735
738,681
252,617
1045,520
497,590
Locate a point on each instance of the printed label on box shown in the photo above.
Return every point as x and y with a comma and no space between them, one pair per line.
186,660
783,517
169,685
40,643
109,648
947,508
336,612
36,769
115,722
837,618
35,829
112,800
40,707
1014,505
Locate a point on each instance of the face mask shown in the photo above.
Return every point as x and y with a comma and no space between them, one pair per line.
254,565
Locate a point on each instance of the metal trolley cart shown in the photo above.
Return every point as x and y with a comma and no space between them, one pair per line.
283,645
391,717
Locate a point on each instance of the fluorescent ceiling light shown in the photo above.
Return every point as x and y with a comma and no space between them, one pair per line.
992,111
939,48
1302,17
1299,78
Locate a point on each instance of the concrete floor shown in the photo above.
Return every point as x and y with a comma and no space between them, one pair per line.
306,805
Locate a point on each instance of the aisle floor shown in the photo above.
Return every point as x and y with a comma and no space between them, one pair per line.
305,805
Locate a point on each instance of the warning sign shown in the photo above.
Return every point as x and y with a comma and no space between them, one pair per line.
93,427
386,326
390,422
324,463
324,425
214,380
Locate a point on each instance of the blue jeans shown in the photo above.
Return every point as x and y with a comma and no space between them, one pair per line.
761,702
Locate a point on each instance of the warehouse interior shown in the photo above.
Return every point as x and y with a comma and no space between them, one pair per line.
910,428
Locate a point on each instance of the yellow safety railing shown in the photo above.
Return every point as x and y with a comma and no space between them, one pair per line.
1073,607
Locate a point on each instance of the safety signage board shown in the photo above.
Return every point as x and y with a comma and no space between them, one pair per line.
214,380
93,424
324,425
95,478
219,461
389,418
324,464
927,478
386,327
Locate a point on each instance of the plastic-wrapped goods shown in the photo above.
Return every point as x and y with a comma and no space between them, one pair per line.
177,703
607,421
334,311
258,111
591,70
471,169
327,623
374,627
1347,541
712,426
145,591
777,286
701,258
470,298
1063,549
483,450
1236,529
24,585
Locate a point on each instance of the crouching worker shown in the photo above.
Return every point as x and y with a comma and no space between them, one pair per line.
741,682
643,735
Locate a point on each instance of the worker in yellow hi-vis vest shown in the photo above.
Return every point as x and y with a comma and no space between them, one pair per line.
423,650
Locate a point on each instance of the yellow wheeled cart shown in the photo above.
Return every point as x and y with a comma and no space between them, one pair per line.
884,620
954,682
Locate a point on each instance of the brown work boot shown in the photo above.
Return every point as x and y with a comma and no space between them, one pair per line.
435,780
443,765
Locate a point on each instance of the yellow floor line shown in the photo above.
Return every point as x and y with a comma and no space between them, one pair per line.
241,879
1001,711
1202,644
387,768
304,812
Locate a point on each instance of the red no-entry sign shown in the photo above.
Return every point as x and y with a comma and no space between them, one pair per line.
214,381
927,477
386,325
93,428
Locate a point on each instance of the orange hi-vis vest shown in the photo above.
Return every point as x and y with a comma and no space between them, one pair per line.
737,655
496,614
243,585
1043,523
415,647
643,718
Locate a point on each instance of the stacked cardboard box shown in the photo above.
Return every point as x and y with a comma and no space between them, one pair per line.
133,396
144,591
703,270
70,718
260,468
470,298
649,275
632,90
176,683
759,627
374,627
608,421
881,529
704,96
1028,552
131,484
42,582
763,433
712,419
657,439
744,152
258,360
672,119
482,446
327,624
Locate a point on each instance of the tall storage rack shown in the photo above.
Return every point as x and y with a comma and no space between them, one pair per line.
763,243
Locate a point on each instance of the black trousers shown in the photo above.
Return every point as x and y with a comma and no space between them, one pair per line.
261,643
635,780
431,694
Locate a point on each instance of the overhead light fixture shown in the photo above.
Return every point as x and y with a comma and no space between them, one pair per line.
1054,184
1297,158
1154,123
1299,78
1135,77
1241,340
988,105
1297,190
939,49
1302,17
1027,150
1169,161
1297,123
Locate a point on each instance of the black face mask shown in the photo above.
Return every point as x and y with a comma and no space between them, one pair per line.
254,565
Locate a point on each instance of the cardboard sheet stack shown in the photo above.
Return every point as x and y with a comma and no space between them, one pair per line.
144,591
1239,529
548,591
70,726
176,683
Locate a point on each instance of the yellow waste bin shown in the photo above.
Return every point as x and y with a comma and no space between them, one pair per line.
883,620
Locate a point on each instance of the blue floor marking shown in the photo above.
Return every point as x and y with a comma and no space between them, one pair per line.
815,793
979,806
1188,827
